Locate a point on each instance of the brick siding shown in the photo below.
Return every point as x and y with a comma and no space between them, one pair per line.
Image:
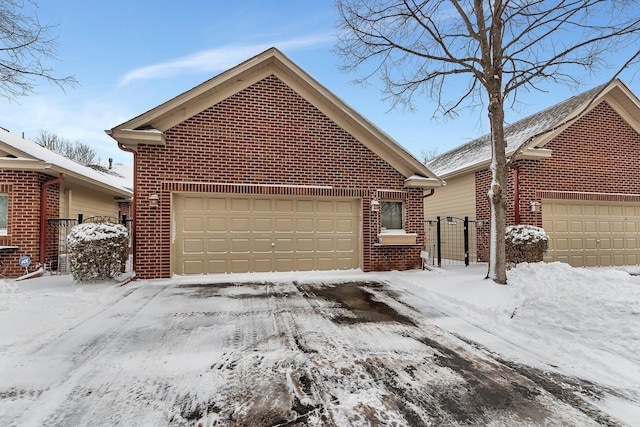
599,153
266,134
23,218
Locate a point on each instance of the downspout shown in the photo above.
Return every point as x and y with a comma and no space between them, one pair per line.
135,201
433,190
43,217
516,194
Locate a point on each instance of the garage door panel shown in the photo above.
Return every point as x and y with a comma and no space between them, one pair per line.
239,233
263,265
191,266
284,225
284,245
216,266
344,225
305,245
325,245
193,224
591,243
262,245
284,206
592,233
306,264
345,208
284,264
344,245
262,205
216,224
345,263
240,265
193,246
576,243
239,205
240,225
262,225
217,246
193,204
304,206
304,225
240,246
324,226
216,204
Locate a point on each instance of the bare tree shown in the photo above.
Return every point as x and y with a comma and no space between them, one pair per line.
482,52
81,153
25,46
428,154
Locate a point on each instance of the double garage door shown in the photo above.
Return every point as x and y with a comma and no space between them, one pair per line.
221,233
589,234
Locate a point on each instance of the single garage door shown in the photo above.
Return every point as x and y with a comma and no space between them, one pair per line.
587,233
239,234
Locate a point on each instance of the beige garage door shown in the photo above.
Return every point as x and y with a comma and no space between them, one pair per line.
238,234
585,233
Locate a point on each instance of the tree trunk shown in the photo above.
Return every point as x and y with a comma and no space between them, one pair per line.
497,256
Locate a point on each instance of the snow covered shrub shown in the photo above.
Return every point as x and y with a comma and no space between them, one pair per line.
97,251
525,243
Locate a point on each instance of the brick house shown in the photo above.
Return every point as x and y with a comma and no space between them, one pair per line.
577,176
37,186
263,169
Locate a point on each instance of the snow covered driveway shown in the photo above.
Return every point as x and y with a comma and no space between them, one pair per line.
282,352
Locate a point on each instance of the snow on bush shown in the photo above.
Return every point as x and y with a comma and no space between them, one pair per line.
97,251
525,243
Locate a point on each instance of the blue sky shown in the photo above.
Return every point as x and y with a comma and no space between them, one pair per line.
130,56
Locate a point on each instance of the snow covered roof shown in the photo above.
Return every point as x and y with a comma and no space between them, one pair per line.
22,154
148,128
536,130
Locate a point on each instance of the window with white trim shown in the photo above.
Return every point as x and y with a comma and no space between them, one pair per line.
3,214
392,215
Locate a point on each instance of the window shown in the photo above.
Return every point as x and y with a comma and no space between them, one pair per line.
3,214
391,215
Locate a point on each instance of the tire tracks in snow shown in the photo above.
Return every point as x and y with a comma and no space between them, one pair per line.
61,394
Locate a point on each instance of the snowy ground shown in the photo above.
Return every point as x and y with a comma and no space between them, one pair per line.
557,346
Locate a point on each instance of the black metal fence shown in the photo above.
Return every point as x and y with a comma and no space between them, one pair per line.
62,227
451,241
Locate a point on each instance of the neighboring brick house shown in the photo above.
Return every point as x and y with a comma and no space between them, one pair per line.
263,169
578,177
37,186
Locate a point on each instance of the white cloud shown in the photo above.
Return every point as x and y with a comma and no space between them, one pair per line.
218,59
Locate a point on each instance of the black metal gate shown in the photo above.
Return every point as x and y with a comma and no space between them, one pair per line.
57,260
451,241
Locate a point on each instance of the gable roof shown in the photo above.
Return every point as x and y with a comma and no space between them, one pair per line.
149,127
534,131
22,154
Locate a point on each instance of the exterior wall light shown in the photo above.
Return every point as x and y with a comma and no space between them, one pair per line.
533,206
375,205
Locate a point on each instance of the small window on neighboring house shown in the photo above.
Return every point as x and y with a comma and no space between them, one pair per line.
3,214
391,213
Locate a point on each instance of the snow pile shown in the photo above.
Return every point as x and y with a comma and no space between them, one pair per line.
580,314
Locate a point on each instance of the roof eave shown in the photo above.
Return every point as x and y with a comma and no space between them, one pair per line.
23,164
131,138
416,181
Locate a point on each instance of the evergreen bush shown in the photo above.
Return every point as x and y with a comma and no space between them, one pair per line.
525,243
97,251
